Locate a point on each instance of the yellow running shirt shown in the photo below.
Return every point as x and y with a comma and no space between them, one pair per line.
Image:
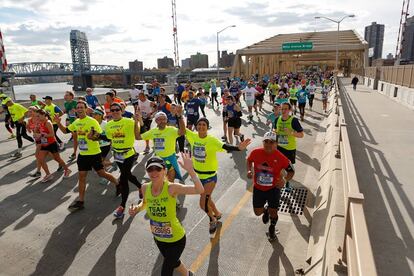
82,127
17,111
122,135
164,140
204,153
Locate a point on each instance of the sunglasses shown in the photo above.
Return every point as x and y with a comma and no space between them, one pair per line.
268,141
153,168
115,110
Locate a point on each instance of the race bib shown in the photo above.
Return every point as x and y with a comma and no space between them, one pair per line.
282,140
159,144
119,156
161,229
83,145
199,154
264,179
190,111
43,141
72,114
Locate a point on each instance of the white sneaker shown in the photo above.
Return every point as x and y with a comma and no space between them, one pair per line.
47,178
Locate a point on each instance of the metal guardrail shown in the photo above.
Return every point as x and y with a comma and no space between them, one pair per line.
357,252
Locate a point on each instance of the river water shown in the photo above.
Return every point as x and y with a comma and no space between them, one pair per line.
56,90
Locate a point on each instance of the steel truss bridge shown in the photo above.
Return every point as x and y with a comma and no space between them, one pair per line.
41,69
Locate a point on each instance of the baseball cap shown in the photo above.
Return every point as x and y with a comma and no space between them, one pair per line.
3,95
47,98
155,161
160,114
8,99
270,136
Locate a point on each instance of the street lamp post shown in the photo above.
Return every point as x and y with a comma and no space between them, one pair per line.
337,35
218,51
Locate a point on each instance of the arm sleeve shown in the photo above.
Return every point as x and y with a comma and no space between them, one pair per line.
296,125
230,148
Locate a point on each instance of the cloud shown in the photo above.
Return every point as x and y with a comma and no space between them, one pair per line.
9,15
31,34
211,39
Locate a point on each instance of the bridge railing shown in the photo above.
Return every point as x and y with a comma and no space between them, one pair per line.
357,252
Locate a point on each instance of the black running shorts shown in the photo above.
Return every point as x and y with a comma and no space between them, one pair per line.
271,196
87,162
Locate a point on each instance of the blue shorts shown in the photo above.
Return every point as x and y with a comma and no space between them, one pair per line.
208,180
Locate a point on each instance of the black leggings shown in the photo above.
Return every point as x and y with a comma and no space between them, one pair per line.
55,128
126,175
8,123
311,97
202,106
21,132
171,251
214,98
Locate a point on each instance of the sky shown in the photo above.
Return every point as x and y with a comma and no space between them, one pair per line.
125,30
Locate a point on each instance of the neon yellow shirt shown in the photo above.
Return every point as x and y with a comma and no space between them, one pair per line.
82,127
204,153
51,109
164,140
17,111
162,212
274,87
122,134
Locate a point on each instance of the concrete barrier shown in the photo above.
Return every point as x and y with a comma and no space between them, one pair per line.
401,94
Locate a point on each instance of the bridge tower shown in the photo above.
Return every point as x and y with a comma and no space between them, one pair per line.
79,47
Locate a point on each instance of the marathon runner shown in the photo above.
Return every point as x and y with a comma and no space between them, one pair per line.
164,138
311,88
325,93
160,199
268,164
8,122
233,119
146,108
302,96
293,99
86,130
48,144
120,131
204,149
17,114
288,128
192,106
53,109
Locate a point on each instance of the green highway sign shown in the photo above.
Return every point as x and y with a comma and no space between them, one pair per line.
297,46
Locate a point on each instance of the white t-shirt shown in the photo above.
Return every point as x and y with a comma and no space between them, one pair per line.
145,107
249,93
134,95
311,89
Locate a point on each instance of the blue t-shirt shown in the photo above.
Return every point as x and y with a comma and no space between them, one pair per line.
192,107
273,118
213,88
156,91
180,89
92,101
302,95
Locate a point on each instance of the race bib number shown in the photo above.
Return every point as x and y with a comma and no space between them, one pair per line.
43,141
264,179
72,114
119,157
83,145
199,154
161,229
190,111
283,140
159,144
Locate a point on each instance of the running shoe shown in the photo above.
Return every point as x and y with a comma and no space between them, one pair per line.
272,232
12,136
67,173
35,174
47,178
59,169
76,205
288,187
16,154
265,216
213,227
119,212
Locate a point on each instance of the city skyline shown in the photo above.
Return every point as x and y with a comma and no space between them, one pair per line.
39,30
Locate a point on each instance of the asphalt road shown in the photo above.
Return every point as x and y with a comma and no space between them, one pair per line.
38,236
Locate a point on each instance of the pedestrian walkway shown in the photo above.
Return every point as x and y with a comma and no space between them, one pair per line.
381,133
38,235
